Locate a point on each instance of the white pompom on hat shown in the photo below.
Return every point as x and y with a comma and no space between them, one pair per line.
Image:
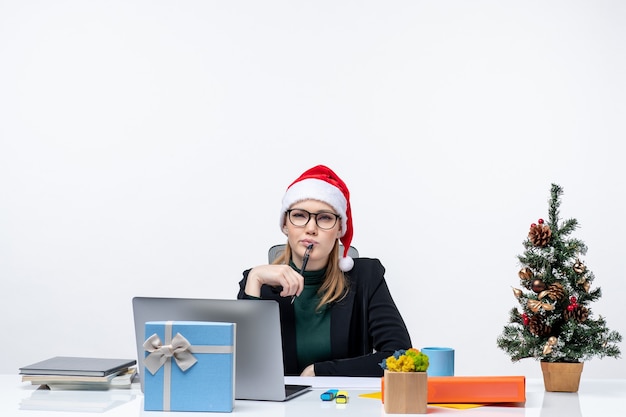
322,184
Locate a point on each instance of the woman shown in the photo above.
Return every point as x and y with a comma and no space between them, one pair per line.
337,316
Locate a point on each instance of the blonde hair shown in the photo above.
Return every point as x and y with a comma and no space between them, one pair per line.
335,285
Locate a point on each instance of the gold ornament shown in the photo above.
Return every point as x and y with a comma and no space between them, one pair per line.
548,347
579,267
538,285
543,294
525,273
536,305
585,284
517,292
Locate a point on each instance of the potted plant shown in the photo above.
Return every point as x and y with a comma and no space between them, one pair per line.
405,382
554,322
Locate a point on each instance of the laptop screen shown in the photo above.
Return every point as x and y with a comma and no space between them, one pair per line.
259,368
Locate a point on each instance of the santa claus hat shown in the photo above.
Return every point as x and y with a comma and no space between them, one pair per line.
322,184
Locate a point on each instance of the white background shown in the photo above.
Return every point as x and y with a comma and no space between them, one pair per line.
145,147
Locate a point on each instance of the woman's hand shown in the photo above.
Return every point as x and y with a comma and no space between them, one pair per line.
274,275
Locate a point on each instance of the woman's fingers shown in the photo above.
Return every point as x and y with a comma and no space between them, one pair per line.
284,276
292,283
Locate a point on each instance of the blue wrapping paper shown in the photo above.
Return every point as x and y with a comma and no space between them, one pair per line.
199,376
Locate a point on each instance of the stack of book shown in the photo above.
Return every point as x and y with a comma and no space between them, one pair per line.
78,373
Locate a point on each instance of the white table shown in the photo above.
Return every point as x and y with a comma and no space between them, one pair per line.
595,398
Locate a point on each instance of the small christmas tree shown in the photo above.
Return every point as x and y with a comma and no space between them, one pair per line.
554,321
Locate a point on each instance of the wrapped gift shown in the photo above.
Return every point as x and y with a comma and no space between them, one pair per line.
189,366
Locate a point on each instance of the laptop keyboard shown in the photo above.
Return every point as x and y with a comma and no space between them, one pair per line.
291,389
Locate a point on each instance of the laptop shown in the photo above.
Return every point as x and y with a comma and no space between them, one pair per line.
259,368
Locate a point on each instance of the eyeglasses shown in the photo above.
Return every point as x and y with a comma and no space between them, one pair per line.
325,220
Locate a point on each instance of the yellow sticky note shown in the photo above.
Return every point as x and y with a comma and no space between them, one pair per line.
458,406
375,395
379,395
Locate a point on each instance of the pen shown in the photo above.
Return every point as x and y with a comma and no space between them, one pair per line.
305,260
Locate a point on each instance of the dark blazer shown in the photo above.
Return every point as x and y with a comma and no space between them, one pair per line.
365,326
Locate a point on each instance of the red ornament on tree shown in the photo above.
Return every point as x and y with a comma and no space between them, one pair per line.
540,221
525,319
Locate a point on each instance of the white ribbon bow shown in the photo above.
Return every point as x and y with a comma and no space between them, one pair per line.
159,353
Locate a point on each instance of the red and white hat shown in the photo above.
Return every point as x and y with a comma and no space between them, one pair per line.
322,184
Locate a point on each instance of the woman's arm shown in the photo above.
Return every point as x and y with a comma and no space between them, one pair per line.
283,277
376,328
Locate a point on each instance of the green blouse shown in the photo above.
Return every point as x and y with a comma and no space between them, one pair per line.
312,325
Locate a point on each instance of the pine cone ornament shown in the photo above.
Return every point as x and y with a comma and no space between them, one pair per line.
539,234
555,291
579,313
538,327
